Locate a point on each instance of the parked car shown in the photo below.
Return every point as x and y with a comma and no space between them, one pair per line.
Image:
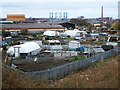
113,40
111,43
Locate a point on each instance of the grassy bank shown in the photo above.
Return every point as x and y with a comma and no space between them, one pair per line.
102,75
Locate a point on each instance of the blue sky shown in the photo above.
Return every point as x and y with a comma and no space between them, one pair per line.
41,8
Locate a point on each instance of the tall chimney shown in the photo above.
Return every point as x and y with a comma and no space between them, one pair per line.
60,15
66,15
50,15
102,13
56,15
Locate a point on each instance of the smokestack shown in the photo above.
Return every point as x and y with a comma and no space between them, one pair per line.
49,15
66,15
119,10
60,15
52,16
56,15
102,13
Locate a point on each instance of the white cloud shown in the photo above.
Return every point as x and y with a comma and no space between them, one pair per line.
74,9
59,1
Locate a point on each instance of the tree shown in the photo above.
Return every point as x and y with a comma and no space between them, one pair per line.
108,25
3,33
116,26
24,31
80,22
90,27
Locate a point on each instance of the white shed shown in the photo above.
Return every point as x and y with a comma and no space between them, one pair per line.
74,44
26,49
51,33
75,33
55,45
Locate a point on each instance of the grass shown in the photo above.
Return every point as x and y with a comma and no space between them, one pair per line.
12,79
50,66
102,75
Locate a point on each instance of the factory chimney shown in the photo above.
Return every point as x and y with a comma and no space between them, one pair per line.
102,13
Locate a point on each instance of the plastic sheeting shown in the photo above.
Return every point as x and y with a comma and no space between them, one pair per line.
24,48
51,33
74,33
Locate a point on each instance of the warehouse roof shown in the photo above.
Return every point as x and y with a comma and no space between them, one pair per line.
29,26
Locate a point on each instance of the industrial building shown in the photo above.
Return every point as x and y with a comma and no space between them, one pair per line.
58,17
16,17
31,27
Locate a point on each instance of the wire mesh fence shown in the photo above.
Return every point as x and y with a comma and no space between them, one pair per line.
64,70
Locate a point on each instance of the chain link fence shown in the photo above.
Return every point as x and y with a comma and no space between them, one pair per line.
64,70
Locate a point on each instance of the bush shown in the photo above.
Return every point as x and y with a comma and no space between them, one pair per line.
24,32
77,58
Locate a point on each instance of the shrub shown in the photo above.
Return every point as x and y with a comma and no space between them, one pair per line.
77,58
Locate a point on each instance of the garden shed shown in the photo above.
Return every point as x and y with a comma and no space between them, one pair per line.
73,45
55,45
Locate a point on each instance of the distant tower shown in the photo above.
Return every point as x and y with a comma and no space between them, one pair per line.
49,15
52,16
60,15
119,10
56,15
102,13
101,21
66,15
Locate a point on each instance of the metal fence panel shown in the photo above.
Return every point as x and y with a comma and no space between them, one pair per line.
63,70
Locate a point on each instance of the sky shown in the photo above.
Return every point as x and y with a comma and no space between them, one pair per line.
42,8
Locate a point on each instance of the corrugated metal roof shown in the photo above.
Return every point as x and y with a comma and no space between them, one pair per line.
30,25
